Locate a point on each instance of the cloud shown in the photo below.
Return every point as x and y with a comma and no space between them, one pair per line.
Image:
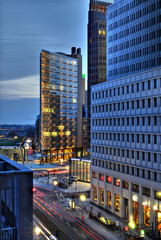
27,87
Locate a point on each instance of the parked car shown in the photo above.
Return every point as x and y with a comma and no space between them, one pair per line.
73,179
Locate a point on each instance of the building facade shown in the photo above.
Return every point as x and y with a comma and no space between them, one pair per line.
60,107
80,167
126,147
16,200
133,37
96,48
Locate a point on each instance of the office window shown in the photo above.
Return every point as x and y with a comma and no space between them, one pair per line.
155,83
132,104
137,138
149,139
149,121
155,102
155,139
155,120
149,157
149,85
127,88
155,157
137,121
143,138
137,86
137,103
143,103
143,86
149,103
132,88
132,121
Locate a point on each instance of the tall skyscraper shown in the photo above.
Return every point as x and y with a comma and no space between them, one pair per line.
133,37
96,47
60,94
125,116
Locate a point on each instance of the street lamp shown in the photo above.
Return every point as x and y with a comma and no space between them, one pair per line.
55,182
82,198
37,230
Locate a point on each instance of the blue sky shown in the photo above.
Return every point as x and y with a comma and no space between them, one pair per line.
26,27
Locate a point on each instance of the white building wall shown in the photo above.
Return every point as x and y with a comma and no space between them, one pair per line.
126,140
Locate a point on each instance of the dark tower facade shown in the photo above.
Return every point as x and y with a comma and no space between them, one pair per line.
96,48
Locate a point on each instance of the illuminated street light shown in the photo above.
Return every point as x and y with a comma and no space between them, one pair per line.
132,225
135,198
144,203
155,207
82,198
55,182
37,230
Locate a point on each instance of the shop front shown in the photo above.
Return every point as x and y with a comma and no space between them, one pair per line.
95,193
117,203
146,214
158,222
136,212
101,196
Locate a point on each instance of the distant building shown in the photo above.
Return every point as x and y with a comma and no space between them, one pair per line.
14,153
16,200
37,133
61,104
96,48
85,139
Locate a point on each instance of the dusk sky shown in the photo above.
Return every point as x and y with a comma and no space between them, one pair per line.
26,27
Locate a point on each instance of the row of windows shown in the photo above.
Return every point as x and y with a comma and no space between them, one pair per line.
138,27
132,88
134,54
135,67
129,121
133,4
121,137
149,9
146,174
125,184
144,38
129,105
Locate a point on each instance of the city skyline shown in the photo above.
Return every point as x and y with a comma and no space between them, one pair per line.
20,45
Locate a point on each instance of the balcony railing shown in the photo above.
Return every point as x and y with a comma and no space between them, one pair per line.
8,233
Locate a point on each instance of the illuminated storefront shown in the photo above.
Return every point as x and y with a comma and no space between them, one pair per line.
109,199
101,196
95,193
117,203
80,167
146,214
136,212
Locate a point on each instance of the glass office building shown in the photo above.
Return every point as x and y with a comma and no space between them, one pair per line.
96,48
58,107
133,37
80,167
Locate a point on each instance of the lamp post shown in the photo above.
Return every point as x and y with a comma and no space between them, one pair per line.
55,182
82,198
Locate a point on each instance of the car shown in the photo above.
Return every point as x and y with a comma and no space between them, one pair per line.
73,178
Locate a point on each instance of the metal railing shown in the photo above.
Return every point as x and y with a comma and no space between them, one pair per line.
8,234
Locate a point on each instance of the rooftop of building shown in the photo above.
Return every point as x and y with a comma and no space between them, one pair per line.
83,159
9,166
